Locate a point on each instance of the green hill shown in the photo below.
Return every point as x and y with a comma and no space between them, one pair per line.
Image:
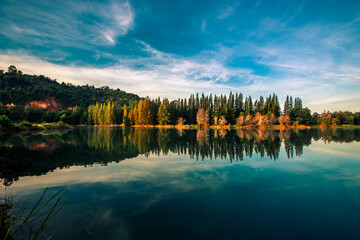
20,89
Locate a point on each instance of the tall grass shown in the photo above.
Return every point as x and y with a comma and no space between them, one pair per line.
13,222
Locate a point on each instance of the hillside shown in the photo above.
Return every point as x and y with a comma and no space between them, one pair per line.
23,89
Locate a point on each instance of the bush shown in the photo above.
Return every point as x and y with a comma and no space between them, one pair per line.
5,121
64,118
25,124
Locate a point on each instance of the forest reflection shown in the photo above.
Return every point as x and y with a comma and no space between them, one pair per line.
214,143
35,154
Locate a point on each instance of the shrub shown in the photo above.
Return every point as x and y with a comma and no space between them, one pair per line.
5,121
25,124
64,118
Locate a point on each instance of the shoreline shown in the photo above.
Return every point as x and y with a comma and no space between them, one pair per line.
274,127
63,126
36,127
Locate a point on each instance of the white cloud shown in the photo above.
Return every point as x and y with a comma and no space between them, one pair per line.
75,23
109,36
313,62
203,26
178,78
225,13
171,76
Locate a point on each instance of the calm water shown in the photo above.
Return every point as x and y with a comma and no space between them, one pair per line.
156,184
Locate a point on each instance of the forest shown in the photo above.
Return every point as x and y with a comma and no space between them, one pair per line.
87,105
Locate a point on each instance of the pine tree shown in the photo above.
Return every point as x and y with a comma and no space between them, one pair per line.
298,102
287,104
125,119
262,108
163,114
251,107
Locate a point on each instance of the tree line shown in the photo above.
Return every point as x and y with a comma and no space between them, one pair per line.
103,106
206,110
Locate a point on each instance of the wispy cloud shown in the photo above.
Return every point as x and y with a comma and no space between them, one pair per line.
76,23
203,25
311,61
177,78
225,13
260,51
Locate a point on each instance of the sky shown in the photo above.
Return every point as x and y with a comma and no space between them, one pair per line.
307,49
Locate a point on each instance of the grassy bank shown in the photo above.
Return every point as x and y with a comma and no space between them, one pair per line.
25,126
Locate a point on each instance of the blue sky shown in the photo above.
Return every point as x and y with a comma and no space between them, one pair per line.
308,49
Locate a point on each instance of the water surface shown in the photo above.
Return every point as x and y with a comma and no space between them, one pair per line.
133,183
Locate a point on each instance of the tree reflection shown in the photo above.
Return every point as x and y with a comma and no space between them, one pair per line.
36,154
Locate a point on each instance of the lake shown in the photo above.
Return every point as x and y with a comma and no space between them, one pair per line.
134,183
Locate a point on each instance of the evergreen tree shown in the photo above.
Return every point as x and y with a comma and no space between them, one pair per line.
125,119
298,102
287,104
163,114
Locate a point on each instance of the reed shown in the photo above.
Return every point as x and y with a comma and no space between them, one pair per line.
14,221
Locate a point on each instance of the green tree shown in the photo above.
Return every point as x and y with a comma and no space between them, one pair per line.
163,113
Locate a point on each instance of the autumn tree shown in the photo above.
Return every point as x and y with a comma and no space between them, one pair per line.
326,119
202,117
248,120
222,120
181,121
284,119
272,119
143,112
240,120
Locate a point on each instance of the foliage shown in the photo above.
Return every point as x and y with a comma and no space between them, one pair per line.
163,113
240,120
19,89
143,112
104,106
222,120
202,117
326,119
13,222
248,120
284,119
260,120
181,121
64,118
102,114
5,121
125,119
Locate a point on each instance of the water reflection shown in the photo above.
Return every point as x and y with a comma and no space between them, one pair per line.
37,154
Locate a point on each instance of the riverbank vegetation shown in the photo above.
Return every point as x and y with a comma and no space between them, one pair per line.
7,125
17,222
87,105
